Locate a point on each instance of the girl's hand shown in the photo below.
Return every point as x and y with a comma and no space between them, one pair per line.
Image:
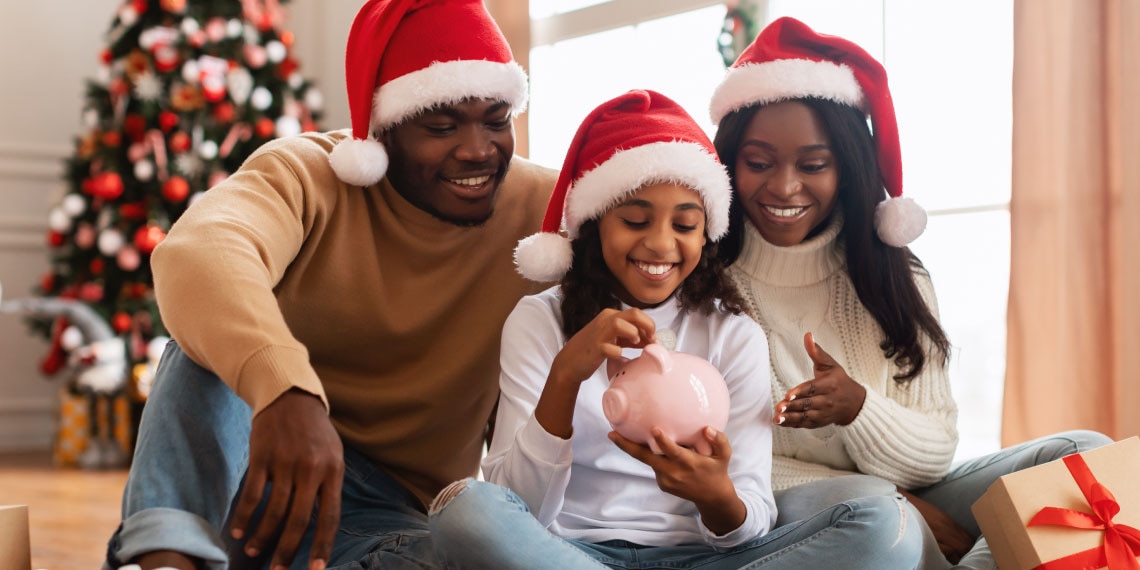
602,338
702,479
831,397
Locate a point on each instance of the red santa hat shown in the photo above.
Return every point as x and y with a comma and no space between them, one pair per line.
789,60
636,139
407,56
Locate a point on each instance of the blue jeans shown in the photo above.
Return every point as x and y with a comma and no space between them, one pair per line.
954,494
482,525
189,462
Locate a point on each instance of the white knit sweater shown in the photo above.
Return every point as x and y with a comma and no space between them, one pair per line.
906,435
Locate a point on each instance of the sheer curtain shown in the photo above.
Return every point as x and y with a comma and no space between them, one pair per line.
1074,303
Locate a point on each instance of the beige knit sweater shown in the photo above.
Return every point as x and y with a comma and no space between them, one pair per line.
906,435
283,277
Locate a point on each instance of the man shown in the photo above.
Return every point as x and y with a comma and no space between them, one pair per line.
336,306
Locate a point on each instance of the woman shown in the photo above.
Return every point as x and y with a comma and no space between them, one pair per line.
818,251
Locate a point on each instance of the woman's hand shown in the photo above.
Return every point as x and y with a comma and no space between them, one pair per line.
831,397
953,540
702,479
603,338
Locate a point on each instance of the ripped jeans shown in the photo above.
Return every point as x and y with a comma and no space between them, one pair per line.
476,524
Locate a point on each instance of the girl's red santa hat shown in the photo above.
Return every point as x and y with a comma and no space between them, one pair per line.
636,139
789,60
407,56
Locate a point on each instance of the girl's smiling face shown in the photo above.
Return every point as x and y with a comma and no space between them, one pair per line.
652,241
787,178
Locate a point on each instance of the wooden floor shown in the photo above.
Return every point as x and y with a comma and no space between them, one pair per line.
71,512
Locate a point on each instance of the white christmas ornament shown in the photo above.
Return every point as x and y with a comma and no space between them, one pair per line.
261,99
188,164
58,220
295,80
103,75
190,26
240,84
71,338
234,28
190,71
73,205
90,118
252,36
276,51
314,99
144,170
208,150
127,15
110,242
148,87
287,126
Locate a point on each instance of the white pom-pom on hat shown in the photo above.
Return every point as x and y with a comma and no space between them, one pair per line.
359,162
899,221
544,257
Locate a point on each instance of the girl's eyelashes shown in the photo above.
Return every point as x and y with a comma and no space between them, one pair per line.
634,224
685,228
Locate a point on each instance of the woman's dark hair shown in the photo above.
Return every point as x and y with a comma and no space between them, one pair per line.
588,286
882,274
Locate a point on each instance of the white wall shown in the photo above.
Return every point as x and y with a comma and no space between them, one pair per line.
48,49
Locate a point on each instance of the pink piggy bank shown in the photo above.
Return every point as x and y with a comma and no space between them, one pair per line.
677,392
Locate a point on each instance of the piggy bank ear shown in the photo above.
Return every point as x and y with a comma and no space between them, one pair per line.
614,365
659,356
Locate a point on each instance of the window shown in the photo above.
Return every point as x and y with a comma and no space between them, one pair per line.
950,68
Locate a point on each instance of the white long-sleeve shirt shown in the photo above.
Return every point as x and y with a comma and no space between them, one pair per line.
904,434
586,488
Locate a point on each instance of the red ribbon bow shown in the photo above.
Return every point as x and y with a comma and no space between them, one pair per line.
1121,542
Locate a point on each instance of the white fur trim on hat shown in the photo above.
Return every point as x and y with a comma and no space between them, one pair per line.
783,79
544,257
684,163
899,221
359,162
449,82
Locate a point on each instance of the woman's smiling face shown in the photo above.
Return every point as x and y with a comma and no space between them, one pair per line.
652,241
787,177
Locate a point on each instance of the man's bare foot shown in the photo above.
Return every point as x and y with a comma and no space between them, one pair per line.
165,559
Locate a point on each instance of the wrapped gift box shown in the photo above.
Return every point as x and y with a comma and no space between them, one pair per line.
1006,509
15,547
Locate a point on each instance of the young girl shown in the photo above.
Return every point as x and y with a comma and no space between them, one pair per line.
817,246
643,200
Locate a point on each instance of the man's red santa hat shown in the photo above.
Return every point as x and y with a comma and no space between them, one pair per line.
408,56
636,139
789,60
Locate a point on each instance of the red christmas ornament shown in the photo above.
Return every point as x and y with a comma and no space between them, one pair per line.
112,139
134,125
105,56
55,239
176,189
166,58
134,211
47,282
137,290
265,127
176,6
179,142
96,266
121,322
107,186
90,292
148,237
224,112
287,67
287,38
140,6
167,120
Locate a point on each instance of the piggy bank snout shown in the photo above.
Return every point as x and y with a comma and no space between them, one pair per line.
615,405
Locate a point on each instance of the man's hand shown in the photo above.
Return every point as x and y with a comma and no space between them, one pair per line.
953,540
294,448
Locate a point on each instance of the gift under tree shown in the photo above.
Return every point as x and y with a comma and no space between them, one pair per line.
185,91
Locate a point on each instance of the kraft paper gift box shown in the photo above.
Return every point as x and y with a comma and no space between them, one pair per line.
15,543
1094,483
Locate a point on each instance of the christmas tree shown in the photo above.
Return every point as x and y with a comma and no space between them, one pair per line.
186,90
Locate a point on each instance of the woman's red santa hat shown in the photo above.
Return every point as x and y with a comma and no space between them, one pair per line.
789,60
407,56
636,139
